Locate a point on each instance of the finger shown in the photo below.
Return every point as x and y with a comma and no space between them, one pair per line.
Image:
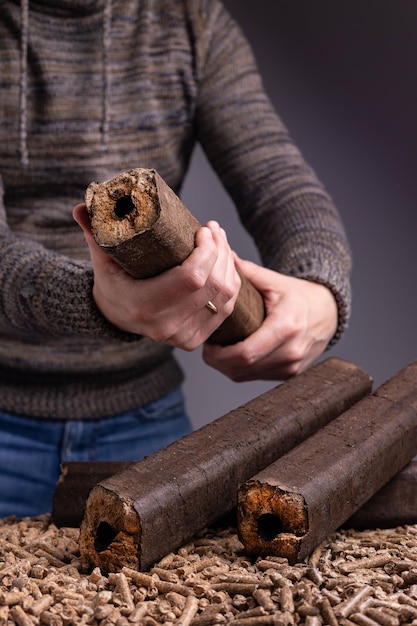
97,255
268,368
222,286
208,273
224,274
195,270
267,344
216,228
262,278
80,215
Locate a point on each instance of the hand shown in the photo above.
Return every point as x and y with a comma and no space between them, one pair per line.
301,318
170,308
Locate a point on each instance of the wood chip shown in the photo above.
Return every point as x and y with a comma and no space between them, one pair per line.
356,578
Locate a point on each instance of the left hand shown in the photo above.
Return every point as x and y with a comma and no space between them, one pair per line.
301,318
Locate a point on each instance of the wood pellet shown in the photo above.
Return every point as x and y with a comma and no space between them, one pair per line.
362,578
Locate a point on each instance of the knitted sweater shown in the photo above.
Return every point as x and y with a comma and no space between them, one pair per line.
91,88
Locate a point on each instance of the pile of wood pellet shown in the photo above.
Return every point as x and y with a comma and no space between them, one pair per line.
357,577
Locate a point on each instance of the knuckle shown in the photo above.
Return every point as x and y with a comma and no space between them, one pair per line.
146,316
228,308
195,279
159,335
226,293
216,287
247,356
162,333
294,354
194,340
290,328
188,347
230,292
191,345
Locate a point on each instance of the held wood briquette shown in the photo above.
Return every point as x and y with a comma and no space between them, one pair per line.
142,224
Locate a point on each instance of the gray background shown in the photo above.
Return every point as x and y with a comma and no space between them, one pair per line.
342,75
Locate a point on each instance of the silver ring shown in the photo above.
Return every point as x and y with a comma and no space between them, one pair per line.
211,307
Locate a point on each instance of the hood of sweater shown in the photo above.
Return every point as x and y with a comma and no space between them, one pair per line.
64,8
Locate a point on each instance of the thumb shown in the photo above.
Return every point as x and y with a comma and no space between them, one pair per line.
97,255
260,277
80,215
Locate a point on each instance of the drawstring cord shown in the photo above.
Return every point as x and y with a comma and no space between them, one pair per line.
105,112
23,149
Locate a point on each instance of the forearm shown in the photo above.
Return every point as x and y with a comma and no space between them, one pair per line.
293,220
46,294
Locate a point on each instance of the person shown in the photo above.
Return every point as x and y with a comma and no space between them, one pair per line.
92,88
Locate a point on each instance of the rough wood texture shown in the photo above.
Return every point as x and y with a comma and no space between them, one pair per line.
140,222
144,512
394,505
292,505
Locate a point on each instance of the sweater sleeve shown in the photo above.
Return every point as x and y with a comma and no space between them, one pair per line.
280,200
46,294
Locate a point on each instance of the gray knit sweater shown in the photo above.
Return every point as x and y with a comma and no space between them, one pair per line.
90,88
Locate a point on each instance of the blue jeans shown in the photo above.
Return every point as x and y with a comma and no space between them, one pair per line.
31,450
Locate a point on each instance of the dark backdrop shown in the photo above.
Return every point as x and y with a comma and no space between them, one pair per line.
342,75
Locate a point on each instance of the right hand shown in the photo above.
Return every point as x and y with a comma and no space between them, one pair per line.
169,308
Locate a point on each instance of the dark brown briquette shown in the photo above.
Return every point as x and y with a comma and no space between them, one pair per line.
141,514
288,508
